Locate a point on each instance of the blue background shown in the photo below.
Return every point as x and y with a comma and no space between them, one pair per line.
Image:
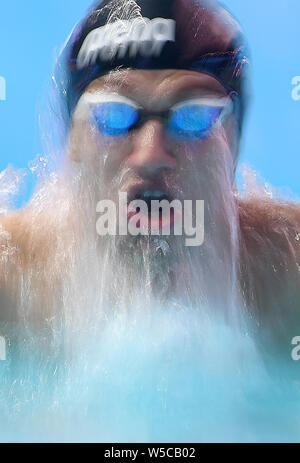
31,33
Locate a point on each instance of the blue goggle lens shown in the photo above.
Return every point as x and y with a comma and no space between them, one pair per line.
193,121
115,119
189,121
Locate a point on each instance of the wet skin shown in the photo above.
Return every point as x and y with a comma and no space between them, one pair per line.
148,152
149,158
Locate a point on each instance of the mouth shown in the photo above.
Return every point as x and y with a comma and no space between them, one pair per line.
154,215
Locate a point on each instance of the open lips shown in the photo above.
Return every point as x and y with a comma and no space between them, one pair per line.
150,215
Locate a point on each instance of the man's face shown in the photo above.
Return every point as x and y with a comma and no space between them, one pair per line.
149,159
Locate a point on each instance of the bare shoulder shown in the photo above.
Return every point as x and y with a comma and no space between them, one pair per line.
270,255
11,242
11,260
271,225
19,239
26,245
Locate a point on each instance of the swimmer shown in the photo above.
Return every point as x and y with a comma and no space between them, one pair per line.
154,96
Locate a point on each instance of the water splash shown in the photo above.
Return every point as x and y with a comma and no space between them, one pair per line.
155,373
165,379
11,183
124,340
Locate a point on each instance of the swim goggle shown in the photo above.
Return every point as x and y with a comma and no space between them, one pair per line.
115,115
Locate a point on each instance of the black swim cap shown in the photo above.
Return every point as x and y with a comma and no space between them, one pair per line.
198,35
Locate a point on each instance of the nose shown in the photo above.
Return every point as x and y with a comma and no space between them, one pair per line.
149,155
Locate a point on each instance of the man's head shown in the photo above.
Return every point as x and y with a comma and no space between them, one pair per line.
159,54
195,35
173,71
